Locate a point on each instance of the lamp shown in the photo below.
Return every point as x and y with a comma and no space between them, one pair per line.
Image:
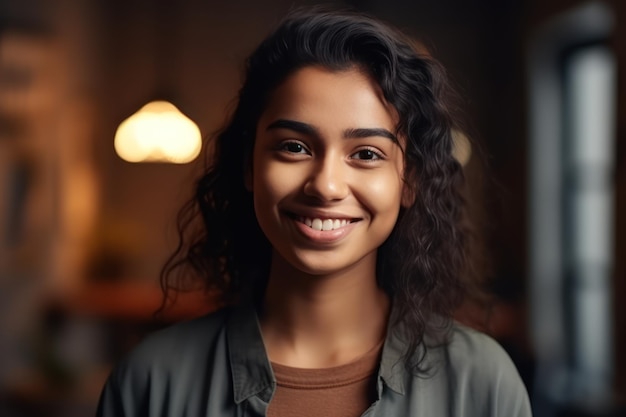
158,131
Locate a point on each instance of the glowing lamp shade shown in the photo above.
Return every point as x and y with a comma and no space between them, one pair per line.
158,132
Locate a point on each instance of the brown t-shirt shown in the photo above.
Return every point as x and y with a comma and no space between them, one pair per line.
341,391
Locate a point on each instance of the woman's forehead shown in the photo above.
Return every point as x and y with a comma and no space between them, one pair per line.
345,97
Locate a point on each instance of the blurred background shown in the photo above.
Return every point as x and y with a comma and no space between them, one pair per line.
84,233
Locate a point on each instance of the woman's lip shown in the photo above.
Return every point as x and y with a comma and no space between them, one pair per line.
322,236
321,216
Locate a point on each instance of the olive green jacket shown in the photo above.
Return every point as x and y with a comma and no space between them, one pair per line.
216,366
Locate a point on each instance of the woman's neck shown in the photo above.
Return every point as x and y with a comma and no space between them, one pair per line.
312,321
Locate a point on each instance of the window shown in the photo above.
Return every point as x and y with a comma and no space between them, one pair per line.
572,101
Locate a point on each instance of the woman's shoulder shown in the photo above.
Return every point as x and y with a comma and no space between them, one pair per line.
476,356
477,364
464,374
177,335
172,365
470,348
185,341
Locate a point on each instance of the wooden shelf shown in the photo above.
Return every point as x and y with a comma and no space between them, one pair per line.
137,301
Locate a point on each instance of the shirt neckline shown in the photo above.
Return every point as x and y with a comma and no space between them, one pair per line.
252,372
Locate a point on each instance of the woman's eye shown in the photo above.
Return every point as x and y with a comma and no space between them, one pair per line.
367,155
293,147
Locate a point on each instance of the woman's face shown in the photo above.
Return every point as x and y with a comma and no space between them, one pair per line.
327,172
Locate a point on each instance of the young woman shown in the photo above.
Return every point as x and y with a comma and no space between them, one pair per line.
330,222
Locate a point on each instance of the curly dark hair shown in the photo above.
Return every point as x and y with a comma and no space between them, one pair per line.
422,264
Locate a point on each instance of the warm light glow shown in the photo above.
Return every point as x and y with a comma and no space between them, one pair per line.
461,147
158,132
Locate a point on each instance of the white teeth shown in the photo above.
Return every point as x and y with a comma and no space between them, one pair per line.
326,224
316,224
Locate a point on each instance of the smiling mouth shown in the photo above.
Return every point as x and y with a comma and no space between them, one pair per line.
321,224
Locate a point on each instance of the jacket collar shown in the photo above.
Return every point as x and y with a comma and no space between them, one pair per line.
250,366
393,371
252,372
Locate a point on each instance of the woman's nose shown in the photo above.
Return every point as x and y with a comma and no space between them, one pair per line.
327,181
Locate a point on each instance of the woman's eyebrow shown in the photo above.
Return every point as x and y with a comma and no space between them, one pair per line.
307,129
296,126
369,132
